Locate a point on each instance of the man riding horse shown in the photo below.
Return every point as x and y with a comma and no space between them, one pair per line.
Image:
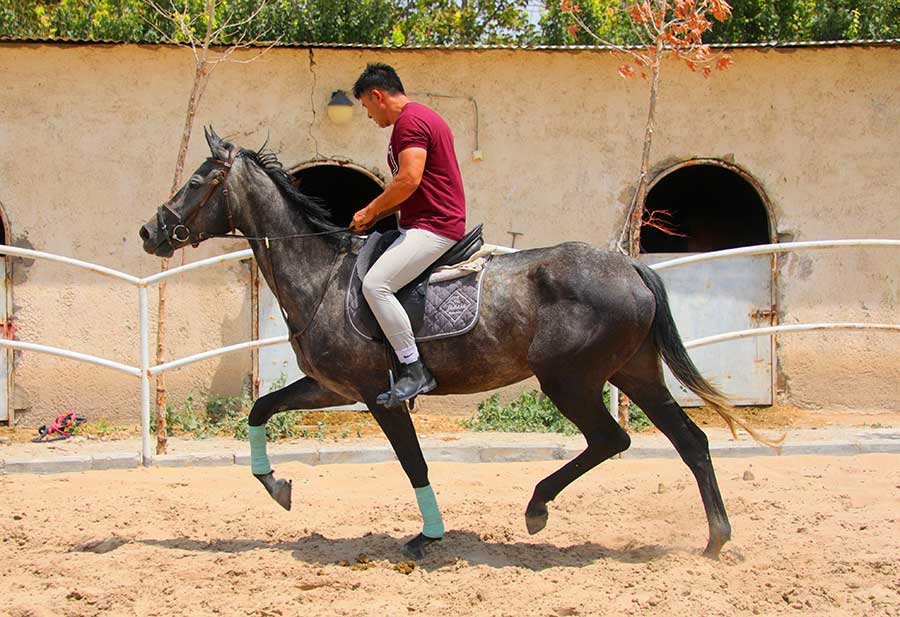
427,190
573,316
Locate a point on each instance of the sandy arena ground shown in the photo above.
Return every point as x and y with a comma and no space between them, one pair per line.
812,535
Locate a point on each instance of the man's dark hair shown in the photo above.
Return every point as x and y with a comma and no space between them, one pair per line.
380,76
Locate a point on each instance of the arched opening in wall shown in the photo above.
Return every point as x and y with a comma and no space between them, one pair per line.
344,186
4,227
711,205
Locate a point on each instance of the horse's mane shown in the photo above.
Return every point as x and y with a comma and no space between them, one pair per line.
313,210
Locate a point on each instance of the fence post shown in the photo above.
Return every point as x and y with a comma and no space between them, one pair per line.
145,375
614,402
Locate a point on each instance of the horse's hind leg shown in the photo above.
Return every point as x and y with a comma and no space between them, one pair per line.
305,393
580,399
398,428
642,380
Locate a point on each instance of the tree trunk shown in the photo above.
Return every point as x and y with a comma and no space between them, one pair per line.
161,431
637,213
633,224
200,75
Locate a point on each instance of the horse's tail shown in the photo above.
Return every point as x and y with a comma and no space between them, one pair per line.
667,340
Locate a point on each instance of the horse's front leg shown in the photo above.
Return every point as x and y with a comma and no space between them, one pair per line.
305,393
398,428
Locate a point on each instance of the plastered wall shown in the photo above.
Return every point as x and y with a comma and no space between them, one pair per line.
89,134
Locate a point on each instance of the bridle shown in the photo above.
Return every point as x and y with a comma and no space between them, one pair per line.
180,232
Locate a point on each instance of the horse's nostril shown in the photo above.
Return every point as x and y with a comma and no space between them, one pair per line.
145,234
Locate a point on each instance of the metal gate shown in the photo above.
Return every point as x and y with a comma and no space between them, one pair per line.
724,296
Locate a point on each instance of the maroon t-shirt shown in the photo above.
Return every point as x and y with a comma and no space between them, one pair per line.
439,203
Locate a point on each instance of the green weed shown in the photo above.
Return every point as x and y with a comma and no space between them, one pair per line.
534,412
227,416
531,413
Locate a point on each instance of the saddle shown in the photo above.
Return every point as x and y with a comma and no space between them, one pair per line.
413,296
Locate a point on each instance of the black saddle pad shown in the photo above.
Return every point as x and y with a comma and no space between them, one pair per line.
436,310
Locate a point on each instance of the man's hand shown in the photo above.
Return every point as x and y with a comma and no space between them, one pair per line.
362,220
412,166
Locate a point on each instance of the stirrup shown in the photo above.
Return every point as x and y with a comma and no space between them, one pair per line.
391,400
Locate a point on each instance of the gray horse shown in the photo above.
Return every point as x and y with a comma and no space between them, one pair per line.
572,315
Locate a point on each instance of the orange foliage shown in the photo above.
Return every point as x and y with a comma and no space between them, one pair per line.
669,26
724,62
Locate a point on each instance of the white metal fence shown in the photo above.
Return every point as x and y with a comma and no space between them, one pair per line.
144,371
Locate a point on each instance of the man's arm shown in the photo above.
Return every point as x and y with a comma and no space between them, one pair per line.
412,165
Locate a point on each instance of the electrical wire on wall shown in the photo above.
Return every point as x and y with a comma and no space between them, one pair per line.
477,152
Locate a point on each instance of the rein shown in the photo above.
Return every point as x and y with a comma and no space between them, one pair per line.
181,233
277,292
267,238
315,312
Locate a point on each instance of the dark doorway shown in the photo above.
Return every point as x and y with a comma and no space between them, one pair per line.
712,206
344,188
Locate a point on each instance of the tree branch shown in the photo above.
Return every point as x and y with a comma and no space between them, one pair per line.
228,24
637,56
163,12
662,221
225,55
164,35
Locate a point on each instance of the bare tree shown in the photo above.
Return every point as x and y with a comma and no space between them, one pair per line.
664,28
206,58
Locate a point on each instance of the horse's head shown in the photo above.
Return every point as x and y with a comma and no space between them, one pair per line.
200,207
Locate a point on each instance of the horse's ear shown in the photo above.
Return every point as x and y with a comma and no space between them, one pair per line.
217,146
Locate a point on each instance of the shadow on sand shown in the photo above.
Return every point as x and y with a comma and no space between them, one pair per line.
456,545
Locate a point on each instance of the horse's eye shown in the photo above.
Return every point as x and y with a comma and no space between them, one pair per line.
195,182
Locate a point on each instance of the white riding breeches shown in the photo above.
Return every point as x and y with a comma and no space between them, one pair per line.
403,261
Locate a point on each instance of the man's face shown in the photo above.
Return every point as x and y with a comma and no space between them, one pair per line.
374,102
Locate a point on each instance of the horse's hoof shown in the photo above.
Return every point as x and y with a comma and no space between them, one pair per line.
719,535
281,493
415,548
536,516
713,549
280,490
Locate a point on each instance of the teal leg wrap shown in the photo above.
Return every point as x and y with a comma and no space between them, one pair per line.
433,524
259,460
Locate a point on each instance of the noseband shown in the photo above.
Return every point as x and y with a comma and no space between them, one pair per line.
180,232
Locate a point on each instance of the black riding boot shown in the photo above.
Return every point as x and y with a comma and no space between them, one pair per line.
414,379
